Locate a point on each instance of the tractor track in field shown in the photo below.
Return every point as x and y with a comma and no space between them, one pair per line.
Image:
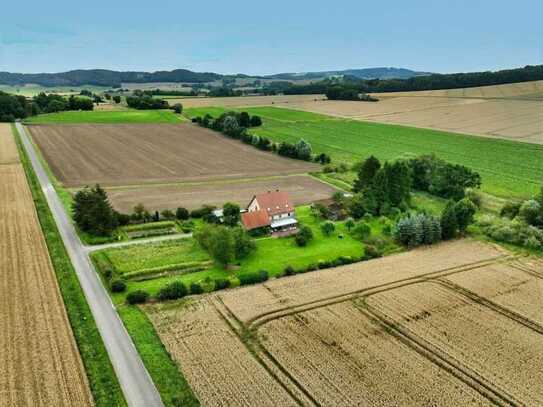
248,332
255,322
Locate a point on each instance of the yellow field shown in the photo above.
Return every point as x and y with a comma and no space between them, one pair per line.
512,111
455,324
39,360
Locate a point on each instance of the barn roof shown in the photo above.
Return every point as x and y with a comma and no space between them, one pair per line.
274,202
255,220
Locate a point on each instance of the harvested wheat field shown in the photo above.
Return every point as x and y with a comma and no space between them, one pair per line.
245,101
502,353
8,149
515,286
345,359
39,361
283,294
137,154
454,324
520,120
217,365
302,189
530,89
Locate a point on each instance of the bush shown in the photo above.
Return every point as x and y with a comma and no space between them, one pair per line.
510,210
361,231
474,196
196,288
178,108
167,214
222,283
172,291
328,228
530,212
182,213
371,252
324,264
118,286
205,210
255,121
304,235
253,278
289,271
137,297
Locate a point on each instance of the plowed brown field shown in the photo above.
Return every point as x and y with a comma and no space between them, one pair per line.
137,154
302,189
455,324
39,361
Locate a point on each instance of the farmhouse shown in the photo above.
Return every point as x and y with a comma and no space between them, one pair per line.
271,210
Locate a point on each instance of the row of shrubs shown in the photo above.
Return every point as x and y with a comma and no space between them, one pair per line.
176,290
235,125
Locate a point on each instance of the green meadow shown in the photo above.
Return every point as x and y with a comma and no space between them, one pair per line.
107,117
508,168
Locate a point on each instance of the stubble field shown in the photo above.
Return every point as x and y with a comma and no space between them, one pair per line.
138,154
473,338
39,360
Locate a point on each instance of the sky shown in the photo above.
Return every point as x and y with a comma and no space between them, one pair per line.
263,38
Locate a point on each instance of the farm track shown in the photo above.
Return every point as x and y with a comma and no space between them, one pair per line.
443,360
280,374
424,348
259,320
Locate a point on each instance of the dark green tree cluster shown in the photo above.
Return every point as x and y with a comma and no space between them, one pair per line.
15,107
146,102
224,244
51,103
346,91
301,150
93,213
380,189
231,214
440,178
418,229
456,217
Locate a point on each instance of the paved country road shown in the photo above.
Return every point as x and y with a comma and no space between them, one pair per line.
137,386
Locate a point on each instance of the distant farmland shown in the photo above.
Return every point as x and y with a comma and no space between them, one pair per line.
509,169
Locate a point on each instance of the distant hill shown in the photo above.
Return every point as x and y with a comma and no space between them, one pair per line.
103,77
108,78
365,73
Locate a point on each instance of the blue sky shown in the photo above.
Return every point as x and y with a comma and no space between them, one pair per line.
270,37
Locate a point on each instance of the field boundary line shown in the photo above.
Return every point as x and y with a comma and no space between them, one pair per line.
440,358
245,337
504,311
263,318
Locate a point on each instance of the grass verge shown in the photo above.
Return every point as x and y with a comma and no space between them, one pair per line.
172,386
102,379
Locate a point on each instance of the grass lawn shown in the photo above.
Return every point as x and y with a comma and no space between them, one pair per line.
508,169
103,382
107,117
271,254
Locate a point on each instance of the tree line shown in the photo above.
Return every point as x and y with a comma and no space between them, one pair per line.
13,107
349,84
237,124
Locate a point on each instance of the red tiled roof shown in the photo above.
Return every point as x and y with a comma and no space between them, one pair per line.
255,220
274,202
